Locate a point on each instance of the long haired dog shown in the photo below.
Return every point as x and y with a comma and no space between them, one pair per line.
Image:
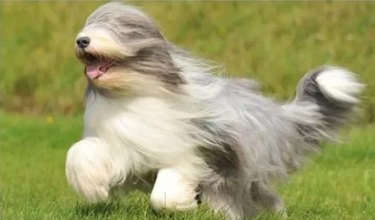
152,108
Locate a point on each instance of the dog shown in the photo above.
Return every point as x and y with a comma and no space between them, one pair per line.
159,119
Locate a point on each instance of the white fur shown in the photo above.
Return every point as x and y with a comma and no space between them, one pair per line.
101,40
90,169
173,191
339,84
125,137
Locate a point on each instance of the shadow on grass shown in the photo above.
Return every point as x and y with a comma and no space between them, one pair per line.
97,210
137,206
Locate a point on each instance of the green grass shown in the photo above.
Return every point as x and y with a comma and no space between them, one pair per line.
273,42
337,184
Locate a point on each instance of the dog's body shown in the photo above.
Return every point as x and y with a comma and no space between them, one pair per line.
152,108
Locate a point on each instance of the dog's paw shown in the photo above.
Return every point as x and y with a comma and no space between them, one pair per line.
87,170
171,191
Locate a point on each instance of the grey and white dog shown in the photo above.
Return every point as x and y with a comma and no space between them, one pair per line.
152,108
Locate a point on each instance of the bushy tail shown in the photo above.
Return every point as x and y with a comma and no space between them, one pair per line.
325,99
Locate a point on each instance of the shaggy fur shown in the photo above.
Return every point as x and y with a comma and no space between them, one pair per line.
153,110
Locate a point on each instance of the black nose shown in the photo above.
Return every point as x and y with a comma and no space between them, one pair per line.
83,42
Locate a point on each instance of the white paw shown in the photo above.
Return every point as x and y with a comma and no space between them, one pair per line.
87,170
172,191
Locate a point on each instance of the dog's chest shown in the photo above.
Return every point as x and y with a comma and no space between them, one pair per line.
146,125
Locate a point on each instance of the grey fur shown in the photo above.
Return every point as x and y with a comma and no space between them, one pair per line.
265,142
251,141
147,50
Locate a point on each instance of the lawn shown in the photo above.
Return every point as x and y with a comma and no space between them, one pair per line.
336,184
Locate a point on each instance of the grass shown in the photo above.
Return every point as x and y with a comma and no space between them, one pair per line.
273,42
337,184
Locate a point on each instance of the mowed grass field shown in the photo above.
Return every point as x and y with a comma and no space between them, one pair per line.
336,184
272,42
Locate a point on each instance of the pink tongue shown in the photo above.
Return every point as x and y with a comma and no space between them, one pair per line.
93,70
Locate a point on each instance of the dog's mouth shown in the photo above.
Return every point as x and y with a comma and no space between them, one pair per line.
95,65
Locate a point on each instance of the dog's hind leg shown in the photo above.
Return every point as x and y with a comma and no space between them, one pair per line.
174,191
89,169
266,198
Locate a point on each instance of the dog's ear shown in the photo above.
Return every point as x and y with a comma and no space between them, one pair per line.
133,48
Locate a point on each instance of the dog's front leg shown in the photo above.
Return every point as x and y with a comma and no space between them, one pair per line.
89,169
173,191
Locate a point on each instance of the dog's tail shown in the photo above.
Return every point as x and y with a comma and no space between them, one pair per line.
324,101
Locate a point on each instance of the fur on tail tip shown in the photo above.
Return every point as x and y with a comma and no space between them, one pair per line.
339,85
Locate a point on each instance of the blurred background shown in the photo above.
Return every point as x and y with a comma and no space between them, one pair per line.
272,42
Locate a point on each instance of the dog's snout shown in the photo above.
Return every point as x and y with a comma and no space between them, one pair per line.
83,42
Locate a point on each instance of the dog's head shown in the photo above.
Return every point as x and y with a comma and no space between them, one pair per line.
123,51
